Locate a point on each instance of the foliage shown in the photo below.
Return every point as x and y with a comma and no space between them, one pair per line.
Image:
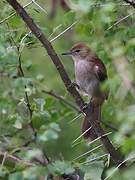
21,152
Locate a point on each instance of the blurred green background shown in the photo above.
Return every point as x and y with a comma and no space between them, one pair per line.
115,45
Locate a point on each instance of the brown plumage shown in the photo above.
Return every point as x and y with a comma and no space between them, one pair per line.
90,72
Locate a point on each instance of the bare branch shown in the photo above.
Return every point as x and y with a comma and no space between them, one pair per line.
20,73
15,159
60,98
4,158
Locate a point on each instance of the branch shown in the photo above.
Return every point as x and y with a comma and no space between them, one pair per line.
64,76
21,74
60,98
14,159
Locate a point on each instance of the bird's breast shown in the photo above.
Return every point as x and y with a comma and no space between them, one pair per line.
83,70
84,76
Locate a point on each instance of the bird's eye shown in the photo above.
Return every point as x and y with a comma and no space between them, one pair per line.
78,50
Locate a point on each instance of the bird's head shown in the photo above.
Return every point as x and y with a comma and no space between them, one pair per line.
78,51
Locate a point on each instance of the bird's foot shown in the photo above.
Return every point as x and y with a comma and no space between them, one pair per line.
76,85
85,106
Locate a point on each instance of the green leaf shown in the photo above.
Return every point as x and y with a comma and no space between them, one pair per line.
61,167
48,135
18,124
15,22
55,126
22,109
3,171
93,171
16,176
128,146
40,77
35,173
34,153
41,102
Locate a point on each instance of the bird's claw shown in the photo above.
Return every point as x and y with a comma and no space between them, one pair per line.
76,85
85,106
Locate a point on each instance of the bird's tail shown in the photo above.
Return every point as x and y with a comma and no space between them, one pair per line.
87,130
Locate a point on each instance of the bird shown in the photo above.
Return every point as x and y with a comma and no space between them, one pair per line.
90,73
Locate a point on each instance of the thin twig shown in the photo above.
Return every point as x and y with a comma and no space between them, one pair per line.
4,158
15,159
60,98
21,74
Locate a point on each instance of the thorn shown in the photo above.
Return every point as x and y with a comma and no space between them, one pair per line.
81,135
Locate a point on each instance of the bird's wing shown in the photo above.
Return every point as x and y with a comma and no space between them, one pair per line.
100,70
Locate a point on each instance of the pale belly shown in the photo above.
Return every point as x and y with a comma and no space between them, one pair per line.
89,86
87,81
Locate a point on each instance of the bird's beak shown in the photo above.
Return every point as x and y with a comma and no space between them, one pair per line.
69,53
